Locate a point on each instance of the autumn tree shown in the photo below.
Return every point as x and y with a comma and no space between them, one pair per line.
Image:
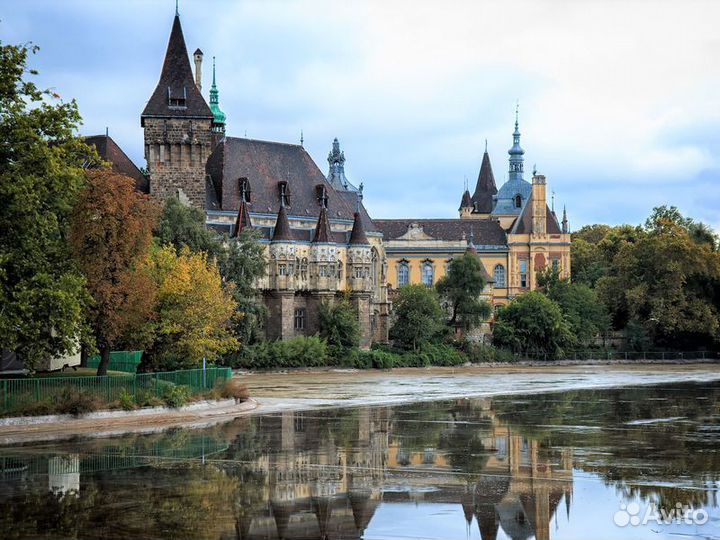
461,287
194,310
111,236
42,293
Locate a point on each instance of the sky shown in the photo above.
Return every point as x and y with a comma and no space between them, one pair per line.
619,99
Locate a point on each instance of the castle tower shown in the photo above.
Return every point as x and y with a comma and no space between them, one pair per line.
359,259
177,123
485,189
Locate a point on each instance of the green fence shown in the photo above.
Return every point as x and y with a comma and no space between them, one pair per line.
16,394
127,361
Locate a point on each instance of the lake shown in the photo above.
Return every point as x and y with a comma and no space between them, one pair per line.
630,462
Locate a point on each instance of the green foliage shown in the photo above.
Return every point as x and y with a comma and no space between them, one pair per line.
76,402
241,261
127,400
42,293
176,395
586,316
339,325
532,323
461,287
296,352
419,319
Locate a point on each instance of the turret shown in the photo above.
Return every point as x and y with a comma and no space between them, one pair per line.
282,251
219,117
359,257
565,227
466,205
516,152
324,260
485,189
336,174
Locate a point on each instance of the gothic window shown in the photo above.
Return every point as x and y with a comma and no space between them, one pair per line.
290,269
518,201
499,276
556,265
282,269
403,271
374,267
340,270
323,270
523,273
428,273
300,319
303,268
359,272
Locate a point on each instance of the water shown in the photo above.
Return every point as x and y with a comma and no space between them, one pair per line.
562,465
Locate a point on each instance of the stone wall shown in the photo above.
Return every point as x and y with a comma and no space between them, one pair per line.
176,151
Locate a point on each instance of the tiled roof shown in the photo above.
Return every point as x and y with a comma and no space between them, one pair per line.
485,188
243,219
109,150
466,201
266,163
177,81
323,234
505,205
485,232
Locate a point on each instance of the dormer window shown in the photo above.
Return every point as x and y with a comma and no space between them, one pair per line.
244,187
177,100
518,201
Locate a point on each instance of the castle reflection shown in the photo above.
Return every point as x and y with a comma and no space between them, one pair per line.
314,487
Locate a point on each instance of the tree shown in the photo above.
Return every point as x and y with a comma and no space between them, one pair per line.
667,284
419,319
586,316
111,236
42,293
194,313
241,260
532,323
461,287
339,324
595,246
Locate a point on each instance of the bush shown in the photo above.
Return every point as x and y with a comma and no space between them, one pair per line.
76,402
127,401
176,396
296,352
236,390
339,324
479,353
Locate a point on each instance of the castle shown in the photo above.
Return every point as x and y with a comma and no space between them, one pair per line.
320,242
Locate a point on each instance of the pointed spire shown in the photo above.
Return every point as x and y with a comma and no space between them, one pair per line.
323,234
243,219
177,9
516,152
357,235
466,201
565,227
176,94
485,187
282,232
218,116
302,138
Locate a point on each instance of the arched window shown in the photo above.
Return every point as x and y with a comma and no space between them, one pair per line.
523,273
518,201
403,274
428,273
499,275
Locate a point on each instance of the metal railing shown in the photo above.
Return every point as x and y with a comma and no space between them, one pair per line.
17,394
611,355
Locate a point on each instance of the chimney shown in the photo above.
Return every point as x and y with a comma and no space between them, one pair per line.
539,204
198,56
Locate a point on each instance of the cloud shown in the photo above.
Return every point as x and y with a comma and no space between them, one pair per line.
619,102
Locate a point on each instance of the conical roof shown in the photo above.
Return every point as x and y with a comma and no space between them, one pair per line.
485,188
466,201
282,232
243,219
358,236
176,81
323,234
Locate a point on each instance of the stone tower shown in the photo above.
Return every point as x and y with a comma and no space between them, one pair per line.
178,126
359,259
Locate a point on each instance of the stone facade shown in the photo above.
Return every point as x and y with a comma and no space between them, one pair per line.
176,150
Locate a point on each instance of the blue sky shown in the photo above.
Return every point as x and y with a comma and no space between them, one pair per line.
619,100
